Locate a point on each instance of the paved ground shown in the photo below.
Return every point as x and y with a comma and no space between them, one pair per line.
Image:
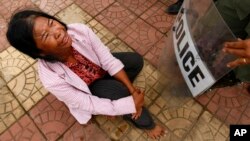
29,112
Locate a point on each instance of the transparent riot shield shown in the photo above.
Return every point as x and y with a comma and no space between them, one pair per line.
192,60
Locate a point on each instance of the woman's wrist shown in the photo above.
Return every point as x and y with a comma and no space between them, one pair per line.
132,91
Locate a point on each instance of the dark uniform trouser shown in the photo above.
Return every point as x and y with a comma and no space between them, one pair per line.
240,28
109,87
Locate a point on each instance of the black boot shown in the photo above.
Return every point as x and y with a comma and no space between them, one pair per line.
174,8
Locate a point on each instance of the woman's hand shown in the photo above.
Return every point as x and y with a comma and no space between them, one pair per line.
136,93
239,48
137,114
138,97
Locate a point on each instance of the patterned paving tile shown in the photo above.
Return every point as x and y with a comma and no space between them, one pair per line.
2,82
206,97
229,104
114,128
137,6
177,94
89,132
167,59
153,55
168,2
153,87
23,129
27,87
116,18
103,33
180,120
73,14
3,29
12,62
8,7
245,116
157,17
10,109
52,117
120,130
208,128
93,7
117,45
135,134
140,81
52,6
140,36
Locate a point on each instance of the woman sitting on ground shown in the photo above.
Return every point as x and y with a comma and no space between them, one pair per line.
76,67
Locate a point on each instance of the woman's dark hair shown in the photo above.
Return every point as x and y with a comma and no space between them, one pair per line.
20,32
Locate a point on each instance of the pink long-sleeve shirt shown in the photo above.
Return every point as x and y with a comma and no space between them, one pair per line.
58,79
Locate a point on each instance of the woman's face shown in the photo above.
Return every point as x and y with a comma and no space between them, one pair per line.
51,37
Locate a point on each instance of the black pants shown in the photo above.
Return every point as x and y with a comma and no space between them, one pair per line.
109,87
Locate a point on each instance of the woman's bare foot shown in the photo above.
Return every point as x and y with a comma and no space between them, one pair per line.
156,133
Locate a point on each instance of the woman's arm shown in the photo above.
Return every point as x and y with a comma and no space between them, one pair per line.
114,67
122,77
74,98
80,98
138,95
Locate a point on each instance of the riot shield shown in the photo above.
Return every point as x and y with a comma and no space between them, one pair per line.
192,58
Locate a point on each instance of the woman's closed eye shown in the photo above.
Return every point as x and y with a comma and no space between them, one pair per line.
50,22
45,36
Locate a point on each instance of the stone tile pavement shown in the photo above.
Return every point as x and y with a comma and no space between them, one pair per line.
29,112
